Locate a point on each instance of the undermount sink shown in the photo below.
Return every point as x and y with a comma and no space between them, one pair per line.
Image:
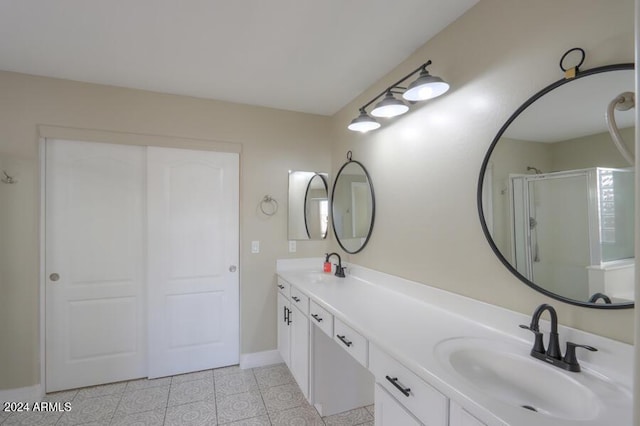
505,372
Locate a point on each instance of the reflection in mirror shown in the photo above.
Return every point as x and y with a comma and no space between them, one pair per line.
353,207
557,196
308,205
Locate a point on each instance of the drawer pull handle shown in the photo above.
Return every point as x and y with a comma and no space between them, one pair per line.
296,299
394,382
280,286
287,315
316,317
343,340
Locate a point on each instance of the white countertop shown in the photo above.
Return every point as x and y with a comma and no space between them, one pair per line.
408,324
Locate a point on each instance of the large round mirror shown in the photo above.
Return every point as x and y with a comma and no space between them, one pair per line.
556,194
352,207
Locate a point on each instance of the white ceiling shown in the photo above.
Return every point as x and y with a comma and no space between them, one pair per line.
303,55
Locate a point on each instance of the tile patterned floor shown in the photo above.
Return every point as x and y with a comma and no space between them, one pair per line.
225,396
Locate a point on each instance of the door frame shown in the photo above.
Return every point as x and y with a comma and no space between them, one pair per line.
123,138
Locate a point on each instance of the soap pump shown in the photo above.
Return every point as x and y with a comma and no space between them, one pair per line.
327,264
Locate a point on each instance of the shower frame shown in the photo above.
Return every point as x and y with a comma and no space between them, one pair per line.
520,214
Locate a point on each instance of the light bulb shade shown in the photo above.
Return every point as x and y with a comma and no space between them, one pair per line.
389,107
425,87
363,123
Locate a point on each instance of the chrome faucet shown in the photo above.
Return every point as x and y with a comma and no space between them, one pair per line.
552,354
339,268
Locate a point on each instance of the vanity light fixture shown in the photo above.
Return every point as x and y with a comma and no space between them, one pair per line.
389,107
424,87
363,123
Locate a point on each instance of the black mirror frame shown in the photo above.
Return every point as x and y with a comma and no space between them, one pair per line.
485,163
306,195
373,205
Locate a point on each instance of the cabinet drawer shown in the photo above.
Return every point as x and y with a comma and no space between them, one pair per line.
321,318
390,412
426,403
284,287
300,300
352,341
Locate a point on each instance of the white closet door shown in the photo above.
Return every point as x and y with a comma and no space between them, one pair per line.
95,301
193,285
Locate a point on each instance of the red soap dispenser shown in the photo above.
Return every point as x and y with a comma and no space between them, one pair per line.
327,264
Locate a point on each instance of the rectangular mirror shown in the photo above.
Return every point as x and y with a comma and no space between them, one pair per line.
308,205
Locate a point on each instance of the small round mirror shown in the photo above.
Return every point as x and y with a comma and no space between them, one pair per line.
316,208
352,207
308,205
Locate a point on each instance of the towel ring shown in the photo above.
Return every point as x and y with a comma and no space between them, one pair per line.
269,205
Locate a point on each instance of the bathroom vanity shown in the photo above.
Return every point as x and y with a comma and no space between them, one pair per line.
427,356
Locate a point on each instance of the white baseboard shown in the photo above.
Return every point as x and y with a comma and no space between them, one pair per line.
29,394
319,409
35,393
260,359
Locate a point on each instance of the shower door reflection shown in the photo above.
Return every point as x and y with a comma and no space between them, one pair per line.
572,231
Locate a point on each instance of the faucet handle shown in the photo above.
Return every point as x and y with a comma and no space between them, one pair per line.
570,356
538,344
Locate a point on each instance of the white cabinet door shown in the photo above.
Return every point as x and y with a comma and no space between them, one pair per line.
284,345
193,232
300,349
460,417
390,412
94,264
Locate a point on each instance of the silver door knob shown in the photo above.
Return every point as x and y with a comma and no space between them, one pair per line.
232,268
54,277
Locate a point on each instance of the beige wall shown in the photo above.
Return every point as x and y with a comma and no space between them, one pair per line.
590,151
273,142
425,165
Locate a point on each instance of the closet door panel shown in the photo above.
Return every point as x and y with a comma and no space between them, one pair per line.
94,264
193,232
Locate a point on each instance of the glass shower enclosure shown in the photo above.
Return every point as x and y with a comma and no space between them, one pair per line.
573,231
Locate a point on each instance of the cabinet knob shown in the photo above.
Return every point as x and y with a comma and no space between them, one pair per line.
54,277
232,268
